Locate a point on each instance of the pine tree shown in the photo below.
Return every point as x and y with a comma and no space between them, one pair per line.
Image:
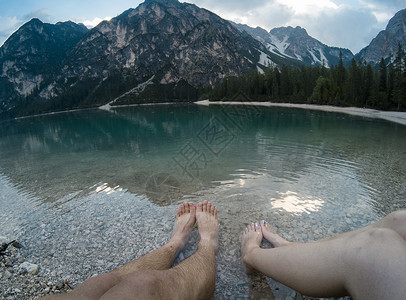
398,80
383,77
341,77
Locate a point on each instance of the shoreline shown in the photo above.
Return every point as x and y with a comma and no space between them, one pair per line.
392,116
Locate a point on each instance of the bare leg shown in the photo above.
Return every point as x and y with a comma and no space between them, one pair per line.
255,232
395,221
194,278
367,264
159,259
269,233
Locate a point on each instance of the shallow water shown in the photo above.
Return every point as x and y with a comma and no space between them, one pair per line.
88,191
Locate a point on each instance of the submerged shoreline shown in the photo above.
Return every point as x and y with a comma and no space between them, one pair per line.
393,116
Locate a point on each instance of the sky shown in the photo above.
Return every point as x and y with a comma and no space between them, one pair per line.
350,24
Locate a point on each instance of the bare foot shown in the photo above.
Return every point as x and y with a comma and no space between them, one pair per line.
251,240
208,224
185,219
271,236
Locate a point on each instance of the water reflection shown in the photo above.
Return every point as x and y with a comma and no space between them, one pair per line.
296,204
136,149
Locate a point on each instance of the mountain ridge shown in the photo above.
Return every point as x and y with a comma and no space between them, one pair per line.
295,43
181,46
385,44
176,42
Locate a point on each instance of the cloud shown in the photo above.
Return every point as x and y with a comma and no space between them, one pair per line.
308,6
40,14
264,13
397,4
230,5
346,24
94,22
11,24
345,27
8,25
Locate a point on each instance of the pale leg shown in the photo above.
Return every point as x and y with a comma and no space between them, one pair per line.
369,263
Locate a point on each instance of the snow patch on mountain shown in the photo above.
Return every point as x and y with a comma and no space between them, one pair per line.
279,46
265,60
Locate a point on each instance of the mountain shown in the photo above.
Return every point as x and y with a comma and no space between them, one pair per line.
385,45
33,54
159,43
162,50
295,43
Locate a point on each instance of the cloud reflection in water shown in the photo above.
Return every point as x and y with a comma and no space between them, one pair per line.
293,203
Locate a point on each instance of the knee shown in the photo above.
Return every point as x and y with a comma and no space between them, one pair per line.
380,235
397,218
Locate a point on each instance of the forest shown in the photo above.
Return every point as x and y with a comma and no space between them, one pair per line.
359,84
381,87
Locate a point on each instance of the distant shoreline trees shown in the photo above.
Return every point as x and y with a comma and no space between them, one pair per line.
380,87
359,85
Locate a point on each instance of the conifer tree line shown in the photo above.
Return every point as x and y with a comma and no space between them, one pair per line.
382,87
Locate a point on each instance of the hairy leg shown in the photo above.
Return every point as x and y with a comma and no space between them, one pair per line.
160,259
368,263
194,278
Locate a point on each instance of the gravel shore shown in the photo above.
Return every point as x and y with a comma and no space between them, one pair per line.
393,116
109,229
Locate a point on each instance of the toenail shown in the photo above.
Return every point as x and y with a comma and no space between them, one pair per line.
256,225
263,222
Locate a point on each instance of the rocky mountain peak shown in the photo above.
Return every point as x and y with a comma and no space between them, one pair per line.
159,42
397,24
294,43
165,2
289,31
385,45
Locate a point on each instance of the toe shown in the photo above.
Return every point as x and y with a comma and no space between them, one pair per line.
257,227
212,209
205,205
192,207
200,207
180,210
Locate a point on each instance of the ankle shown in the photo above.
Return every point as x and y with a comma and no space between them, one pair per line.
249,252
207,243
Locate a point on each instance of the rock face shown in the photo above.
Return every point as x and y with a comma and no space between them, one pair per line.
296,44
163,45
169,40
385,45
180,41
32,55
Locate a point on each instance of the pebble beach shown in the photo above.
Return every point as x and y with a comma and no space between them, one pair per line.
64,249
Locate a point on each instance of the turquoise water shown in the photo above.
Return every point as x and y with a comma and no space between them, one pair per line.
311,173
171,153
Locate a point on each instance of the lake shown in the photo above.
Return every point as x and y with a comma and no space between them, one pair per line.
87,191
